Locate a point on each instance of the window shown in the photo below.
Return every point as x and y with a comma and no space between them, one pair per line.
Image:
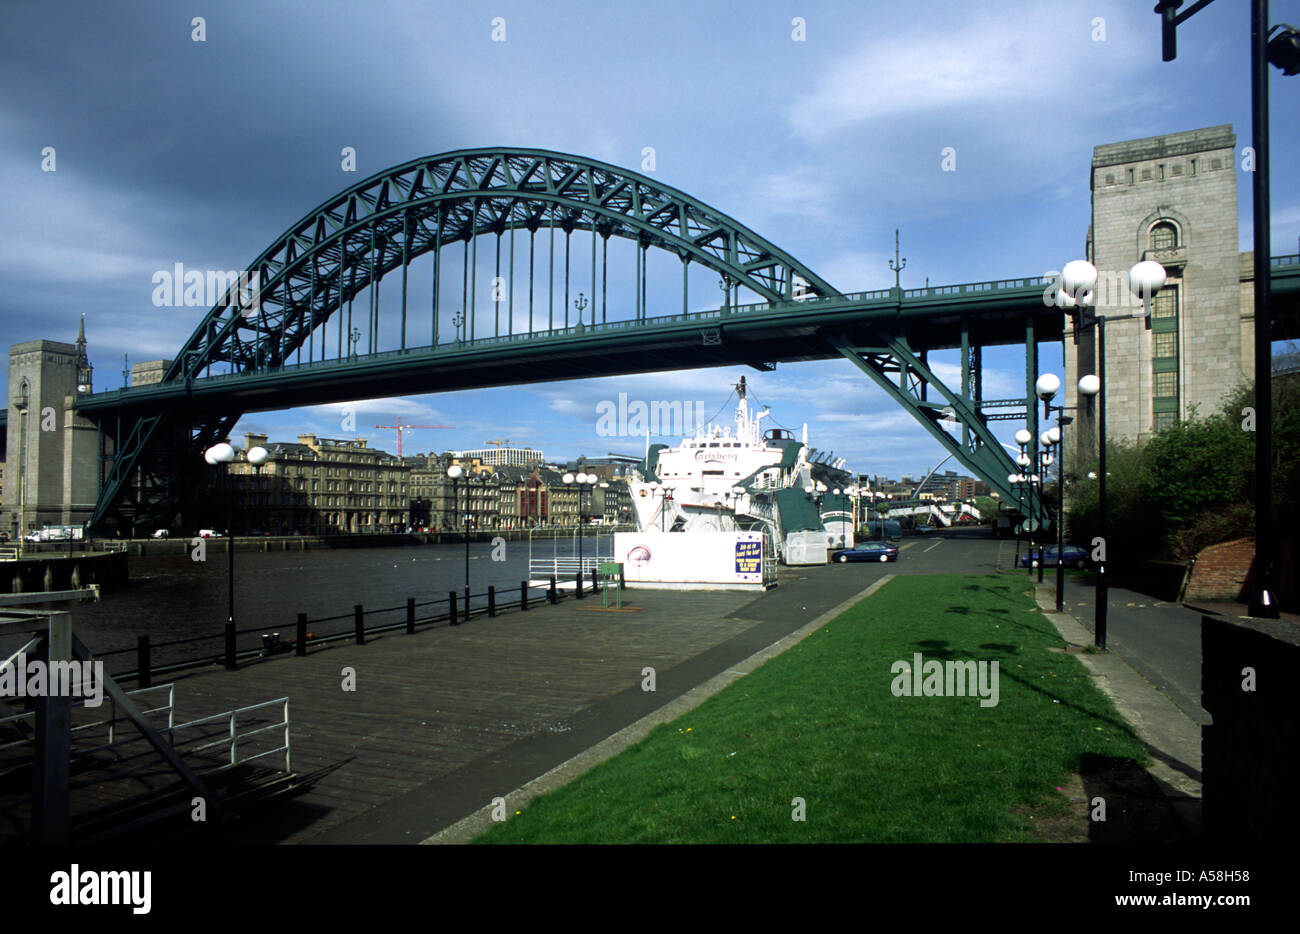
1166,384
1165,344
1164,236
1165,303
1164,421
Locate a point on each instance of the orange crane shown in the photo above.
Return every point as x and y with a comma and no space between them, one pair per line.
401,428
499,442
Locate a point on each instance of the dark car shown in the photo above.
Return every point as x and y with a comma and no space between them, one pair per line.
866,551
1072,556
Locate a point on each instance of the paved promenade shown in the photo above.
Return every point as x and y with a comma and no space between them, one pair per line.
443,720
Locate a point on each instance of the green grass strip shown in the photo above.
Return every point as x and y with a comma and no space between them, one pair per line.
820,722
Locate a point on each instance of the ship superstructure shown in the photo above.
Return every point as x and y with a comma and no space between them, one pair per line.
740,477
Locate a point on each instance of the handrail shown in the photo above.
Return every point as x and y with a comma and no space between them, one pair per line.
235,735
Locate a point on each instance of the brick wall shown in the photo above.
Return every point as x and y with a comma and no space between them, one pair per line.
1221,571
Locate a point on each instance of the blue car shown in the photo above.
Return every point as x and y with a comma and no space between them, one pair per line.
1072,557
866,551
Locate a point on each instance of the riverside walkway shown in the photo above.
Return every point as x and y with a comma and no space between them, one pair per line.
443,720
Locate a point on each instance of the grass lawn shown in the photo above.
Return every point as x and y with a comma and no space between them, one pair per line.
820,722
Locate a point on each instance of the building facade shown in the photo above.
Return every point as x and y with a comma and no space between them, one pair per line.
1171,199
503,457
320,486
51,452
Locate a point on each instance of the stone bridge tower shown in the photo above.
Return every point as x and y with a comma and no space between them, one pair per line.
51,453
1172,199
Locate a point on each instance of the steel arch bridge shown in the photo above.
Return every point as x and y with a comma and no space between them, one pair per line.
247,353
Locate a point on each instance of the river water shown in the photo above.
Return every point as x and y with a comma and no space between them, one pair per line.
173,597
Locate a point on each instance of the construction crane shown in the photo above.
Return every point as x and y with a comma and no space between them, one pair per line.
399,427
499,442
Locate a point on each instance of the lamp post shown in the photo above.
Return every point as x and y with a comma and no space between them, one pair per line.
223,453
21,404
581,480
455,472
1023,461
1078,280
1014,480
1283,52
1046,388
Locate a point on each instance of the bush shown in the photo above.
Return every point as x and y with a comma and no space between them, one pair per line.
1191,485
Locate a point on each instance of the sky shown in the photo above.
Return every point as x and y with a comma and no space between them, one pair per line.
821,126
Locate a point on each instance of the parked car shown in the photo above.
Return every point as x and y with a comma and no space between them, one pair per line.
207,533
1072,556
925,530
866,551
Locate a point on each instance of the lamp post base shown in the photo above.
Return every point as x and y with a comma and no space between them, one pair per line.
1099,617
1263,605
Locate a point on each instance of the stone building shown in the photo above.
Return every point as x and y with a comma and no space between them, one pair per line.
1172,199
51,452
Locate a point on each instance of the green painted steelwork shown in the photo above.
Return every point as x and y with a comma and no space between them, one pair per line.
347,244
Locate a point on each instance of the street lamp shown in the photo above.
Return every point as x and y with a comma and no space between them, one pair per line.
1013,481
21,404
1046,388
1283,52
1023,437
581,480
1079,279
223,453
455,472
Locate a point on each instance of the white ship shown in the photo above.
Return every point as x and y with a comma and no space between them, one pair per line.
742,478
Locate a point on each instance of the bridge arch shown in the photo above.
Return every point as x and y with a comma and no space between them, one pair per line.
384,222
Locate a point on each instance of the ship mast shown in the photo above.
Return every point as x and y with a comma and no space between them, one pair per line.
742,413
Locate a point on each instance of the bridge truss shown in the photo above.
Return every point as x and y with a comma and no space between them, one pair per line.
248,351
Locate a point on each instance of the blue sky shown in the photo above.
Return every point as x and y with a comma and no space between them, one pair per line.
202,153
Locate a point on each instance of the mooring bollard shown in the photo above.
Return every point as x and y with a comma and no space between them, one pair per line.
410,614
300,643
492,600
578,580
595,582
142,666
451,602
552,594
359,621
523,595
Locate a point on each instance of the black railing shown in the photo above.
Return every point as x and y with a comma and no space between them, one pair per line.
357,625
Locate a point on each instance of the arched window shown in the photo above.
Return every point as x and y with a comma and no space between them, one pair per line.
1164,236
